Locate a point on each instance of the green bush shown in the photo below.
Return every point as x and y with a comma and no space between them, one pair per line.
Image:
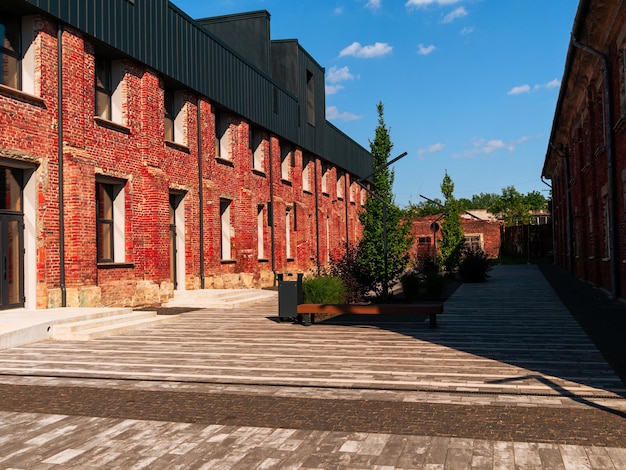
324,290
474,266
427,285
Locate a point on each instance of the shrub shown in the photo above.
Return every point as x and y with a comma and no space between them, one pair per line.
348,270
324,290
474,266
426,285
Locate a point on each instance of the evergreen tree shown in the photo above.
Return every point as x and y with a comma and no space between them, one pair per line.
371,253
453,239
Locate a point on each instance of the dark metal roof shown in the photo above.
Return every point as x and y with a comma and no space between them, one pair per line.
161,36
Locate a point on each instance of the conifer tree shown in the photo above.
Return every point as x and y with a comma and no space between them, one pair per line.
453,239
371,254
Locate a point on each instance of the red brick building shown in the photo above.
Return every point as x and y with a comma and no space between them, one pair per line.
140,153
586,156
483,234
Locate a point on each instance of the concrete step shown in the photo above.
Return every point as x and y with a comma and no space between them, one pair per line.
99,327
222,299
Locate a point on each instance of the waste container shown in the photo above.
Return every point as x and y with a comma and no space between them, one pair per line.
289,294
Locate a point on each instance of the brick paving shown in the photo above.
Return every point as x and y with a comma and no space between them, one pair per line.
508,380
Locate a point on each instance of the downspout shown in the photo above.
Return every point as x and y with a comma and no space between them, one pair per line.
610,164
569,229
551,219
60,163
200,193
272,213
346,201
317,221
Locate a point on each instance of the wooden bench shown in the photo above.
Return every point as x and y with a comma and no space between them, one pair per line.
431,309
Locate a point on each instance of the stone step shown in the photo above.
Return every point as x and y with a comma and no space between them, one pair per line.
223,299
99,327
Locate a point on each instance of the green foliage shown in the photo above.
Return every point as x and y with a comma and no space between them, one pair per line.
426,207
324,290
347,268
475,266
514,208
399,239
453,239
422,282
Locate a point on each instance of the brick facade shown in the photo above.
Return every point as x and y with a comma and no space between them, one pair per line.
487,234
586,157
132,156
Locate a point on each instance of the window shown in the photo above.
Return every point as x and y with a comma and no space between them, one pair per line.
307,164
222,137
260,233
258,152
423,241
310,98
605,222
324,178
288,225
474,241
286,156
353,189
340,184
17,56
174,118
109,76
10,51
110,214
225,229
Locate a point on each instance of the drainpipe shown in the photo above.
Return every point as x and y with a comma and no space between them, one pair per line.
346,202
200,193
60,163
272,230
610,164
569,227
317,220
551,219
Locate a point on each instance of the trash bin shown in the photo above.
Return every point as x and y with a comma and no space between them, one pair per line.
289,294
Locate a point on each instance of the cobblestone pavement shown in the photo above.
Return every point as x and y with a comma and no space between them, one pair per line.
508,380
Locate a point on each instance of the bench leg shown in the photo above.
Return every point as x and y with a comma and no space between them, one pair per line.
306,319
433,320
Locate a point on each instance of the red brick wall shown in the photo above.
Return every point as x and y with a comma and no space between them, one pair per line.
491,233
137,154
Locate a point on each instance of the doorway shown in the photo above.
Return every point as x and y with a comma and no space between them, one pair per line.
11,238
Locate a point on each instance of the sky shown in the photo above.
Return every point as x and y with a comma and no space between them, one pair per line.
468,86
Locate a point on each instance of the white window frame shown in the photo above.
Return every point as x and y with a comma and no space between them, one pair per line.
286,156
118,217
177,115
225,230
325,169
260,232
258,149
222,137
307,164
288,225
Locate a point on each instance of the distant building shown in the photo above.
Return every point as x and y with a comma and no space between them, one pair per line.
142,151
586,155
483,234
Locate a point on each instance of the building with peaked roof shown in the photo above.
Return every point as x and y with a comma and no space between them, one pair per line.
586,155
142,151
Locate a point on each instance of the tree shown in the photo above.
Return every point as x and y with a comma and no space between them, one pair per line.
425,208
371,253
453,239
512,206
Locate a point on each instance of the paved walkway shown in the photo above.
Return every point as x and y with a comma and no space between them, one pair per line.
508,380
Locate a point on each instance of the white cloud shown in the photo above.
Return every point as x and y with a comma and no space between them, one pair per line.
336,74
373,4
465,31
455,15
333,89
424,3
486,147
553,84
518,90
355,49
425,50
333,113
338,10
432,149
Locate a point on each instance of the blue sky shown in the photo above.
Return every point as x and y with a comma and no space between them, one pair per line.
468,86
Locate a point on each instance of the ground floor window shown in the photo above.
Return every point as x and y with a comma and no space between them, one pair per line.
110,220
